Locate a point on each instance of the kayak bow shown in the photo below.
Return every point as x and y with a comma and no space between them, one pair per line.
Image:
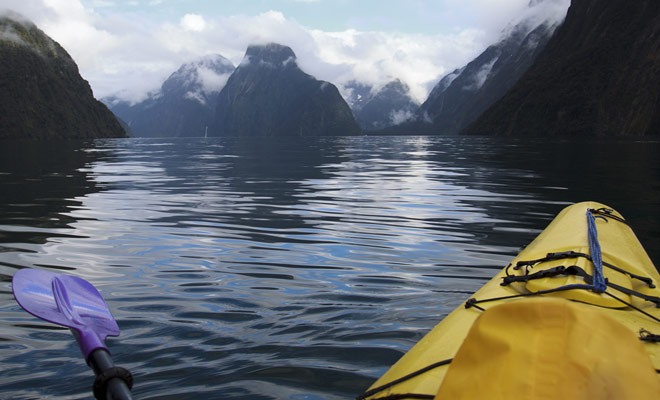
587,265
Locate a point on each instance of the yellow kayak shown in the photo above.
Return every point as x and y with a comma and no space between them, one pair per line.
575,315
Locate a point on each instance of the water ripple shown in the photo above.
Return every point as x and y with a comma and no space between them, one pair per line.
273,269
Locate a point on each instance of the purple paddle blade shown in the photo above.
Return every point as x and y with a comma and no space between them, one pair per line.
68,301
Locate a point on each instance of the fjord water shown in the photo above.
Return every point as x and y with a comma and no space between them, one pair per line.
283,268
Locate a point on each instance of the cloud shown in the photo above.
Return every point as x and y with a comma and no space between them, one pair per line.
20,18
197,96
550,11
489,15
397,117
7,33
102,3
193,22
130,54
479,78
210,80
376,58
495,17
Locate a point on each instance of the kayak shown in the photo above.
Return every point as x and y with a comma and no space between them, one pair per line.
574,315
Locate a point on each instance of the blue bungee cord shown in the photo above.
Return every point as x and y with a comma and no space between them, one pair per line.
599,284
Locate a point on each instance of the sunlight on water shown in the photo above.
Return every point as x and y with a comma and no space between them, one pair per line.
268,269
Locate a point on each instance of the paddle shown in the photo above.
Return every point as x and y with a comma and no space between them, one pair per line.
75,303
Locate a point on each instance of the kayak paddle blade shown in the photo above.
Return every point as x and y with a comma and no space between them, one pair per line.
68,301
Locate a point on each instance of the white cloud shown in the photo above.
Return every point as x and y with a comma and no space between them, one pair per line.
197,96
489,15
131,54
11,36
495,16
211,81
193,22
376,58
479,78
398,117
103,3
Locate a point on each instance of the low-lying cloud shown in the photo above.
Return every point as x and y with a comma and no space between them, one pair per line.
10,35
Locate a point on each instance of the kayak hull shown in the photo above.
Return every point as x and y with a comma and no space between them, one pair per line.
629,269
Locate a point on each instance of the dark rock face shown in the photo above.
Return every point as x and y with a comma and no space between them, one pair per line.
184,106
463,95
377,109
268,95
42,95
598,75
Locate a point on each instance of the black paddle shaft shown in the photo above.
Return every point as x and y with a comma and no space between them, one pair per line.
112,383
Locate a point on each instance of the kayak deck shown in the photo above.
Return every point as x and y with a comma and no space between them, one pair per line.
558,263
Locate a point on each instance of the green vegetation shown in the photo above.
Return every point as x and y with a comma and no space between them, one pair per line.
42,95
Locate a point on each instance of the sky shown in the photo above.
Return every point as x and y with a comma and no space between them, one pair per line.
128,48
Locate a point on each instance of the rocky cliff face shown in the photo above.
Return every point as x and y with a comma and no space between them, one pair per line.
184,106
269,95
598,75
42,95
463,95
381,108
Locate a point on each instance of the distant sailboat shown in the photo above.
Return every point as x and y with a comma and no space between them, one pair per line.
206,132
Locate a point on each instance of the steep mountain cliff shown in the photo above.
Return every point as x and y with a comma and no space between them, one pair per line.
598,75
383,107
464,94
269,95
42,95
185,104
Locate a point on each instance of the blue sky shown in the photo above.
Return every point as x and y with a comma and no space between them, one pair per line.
128,48
410,16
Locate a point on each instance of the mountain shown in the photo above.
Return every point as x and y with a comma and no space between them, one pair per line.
464,94
598,75
184,105
381,108
269,95
42,95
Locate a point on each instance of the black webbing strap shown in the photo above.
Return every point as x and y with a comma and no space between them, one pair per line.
606,213
647,336
574,254
577,271
546,273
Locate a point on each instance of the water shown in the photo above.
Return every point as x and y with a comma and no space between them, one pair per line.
286,269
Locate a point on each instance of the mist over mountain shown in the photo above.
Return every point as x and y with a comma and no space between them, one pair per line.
598,75
184,106
464,94
42,95
269,95
383,107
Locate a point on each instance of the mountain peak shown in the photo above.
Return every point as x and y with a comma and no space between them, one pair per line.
271,54
199,78
269,95
380,107
15,29
185,104
43,94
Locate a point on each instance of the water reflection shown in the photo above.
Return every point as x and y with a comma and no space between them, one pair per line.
302,268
